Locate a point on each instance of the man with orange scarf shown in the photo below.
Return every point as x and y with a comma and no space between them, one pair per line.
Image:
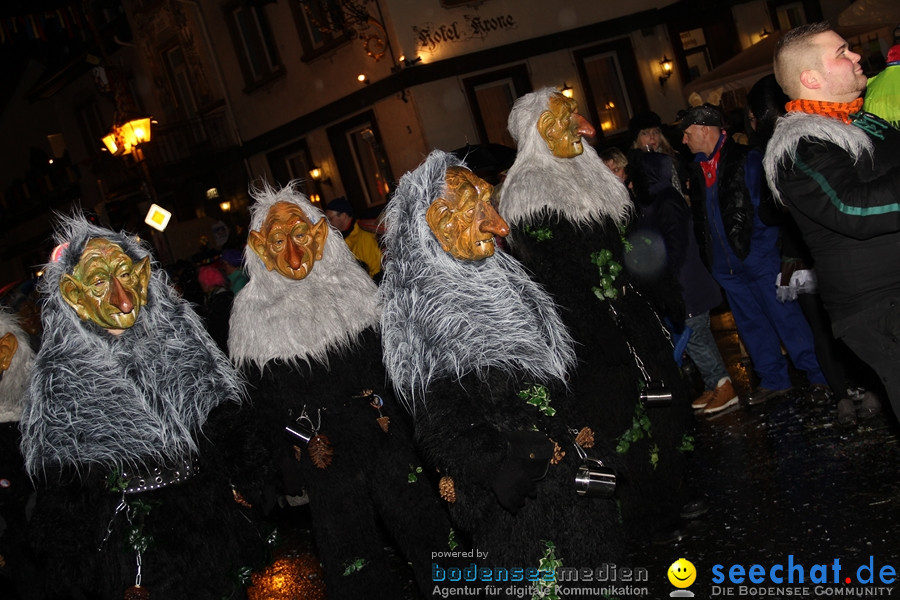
837,168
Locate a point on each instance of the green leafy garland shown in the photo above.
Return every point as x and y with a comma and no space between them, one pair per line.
640,428
609,270
136,510
544,589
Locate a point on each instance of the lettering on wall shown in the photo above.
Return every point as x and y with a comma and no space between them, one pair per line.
431,36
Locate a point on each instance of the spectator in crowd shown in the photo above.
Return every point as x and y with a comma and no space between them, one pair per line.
232,265
616,161
797,282
665,222
217,300
743,252
883,90
363,244
837,168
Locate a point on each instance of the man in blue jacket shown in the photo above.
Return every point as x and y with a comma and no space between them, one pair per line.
743,252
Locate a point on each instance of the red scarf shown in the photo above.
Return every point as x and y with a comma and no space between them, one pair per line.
710,167
835,110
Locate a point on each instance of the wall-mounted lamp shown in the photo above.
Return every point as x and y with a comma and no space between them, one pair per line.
765,33
362,78
666,65
567,90
225,206
212,193
315,199
317,174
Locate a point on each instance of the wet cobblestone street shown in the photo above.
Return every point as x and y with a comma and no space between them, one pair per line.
784,479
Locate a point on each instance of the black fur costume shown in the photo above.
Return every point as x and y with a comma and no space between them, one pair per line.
312,347
561,212
99,406
461,340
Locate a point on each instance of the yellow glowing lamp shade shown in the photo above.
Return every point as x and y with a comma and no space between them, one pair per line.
123,138
109,140
157,217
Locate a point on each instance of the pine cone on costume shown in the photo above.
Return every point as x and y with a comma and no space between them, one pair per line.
320,451
585,438
298,453
447,489
384,422
137,592
558,453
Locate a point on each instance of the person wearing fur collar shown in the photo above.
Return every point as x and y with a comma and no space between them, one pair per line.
479,355
119,437
837,168
16,360
305,331
568,216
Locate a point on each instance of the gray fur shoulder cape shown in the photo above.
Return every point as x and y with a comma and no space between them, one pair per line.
136,400
796,126
580,189
276,318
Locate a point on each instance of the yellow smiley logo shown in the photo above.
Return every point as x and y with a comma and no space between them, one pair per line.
682,573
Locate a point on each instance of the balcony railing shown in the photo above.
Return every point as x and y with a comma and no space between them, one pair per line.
179,142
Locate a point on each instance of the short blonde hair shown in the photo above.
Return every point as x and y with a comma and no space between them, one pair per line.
796,52
614,155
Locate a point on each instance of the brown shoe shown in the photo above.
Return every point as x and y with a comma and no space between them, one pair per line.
724,396
703,399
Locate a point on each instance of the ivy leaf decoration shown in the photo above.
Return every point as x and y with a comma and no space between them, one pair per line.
115,482
626,244
687,443
136,540
353,566
540,234
544,589
654,455
608,270
538,396
451,540
244,576
640,428
414,473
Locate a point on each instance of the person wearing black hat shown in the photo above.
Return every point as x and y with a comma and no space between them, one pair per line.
362,243
743,252
646,131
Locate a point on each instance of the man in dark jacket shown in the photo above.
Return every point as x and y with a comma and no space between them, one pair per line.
838,170
743,252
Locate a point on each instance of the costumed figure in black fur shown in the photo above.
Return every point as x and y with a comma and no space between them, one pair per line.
306,331
568,215
16,360
479,356
118,433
